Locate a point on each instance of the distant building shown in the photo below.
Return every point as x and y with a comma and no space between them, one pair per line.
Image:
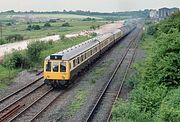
153,14
164,13
173,10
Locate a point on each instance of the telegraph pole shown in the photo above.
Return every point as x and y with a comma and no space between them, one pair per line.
1,31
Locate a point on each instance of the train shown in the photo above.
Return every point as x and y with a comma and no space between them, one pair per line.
61,68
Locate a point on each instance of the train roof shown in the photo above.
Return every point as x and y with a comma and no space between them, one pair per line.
77,49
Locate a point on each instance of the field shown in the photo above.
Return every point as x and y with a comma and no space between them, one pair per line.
18,24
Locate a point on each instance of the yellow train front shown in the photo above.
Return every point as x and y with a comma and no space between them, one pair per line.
56,71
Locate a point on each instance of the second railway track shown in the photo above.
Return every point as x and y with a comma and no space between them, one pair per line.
110,93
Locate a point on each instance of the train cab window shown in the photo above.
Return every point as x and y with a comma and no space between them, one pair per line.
63,67
55,66
48,67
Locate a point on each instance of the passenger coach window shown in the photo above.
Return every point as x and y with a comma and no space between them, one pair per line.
55,66
62,67
48,67
74,63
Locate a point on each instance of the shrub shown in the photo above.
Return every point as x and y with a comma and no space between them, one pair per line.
47,24
9,24
89,19
62,37
33,27
93,27
15,37
16,60
2,41
169,109
36,27
29,27
35,48
93,34
66,24
152,30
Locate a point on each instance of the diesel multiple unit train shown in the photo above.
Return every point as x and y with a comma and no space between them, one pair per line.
62,67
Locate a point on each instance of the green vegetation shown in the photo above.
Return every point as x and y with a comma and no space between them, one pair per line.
5,75
79,100
89,19
66,24
155,95
94,27
15,37
33,27
47,24
12,38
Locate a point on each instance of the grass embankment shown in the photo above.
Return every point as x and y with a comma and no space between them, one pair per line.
156,86
33,57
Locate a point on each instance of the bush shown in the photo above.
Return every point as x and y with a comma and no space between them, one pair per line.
152,30
66,24
35,48
124,111
29,27
94,27
15,37
93,34
16,60
62,37
3,41
169,109
36,27
89,19
33,27
47,24
9,24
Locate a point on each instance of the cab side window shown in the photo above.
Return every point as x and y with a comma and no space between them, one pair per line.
48,67
63,67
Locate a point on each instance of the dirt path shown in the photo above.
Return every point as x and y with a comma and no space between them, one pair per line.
8,48
103,29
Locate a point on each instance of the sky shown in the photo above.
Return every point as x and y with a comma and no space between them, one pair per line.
92,5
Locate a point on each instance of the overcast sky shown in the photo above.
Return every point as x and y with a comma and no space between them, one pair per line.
92,5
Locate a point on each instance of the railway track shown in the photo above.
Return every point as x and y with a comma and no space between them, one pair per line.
17,100
106,92
19,90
